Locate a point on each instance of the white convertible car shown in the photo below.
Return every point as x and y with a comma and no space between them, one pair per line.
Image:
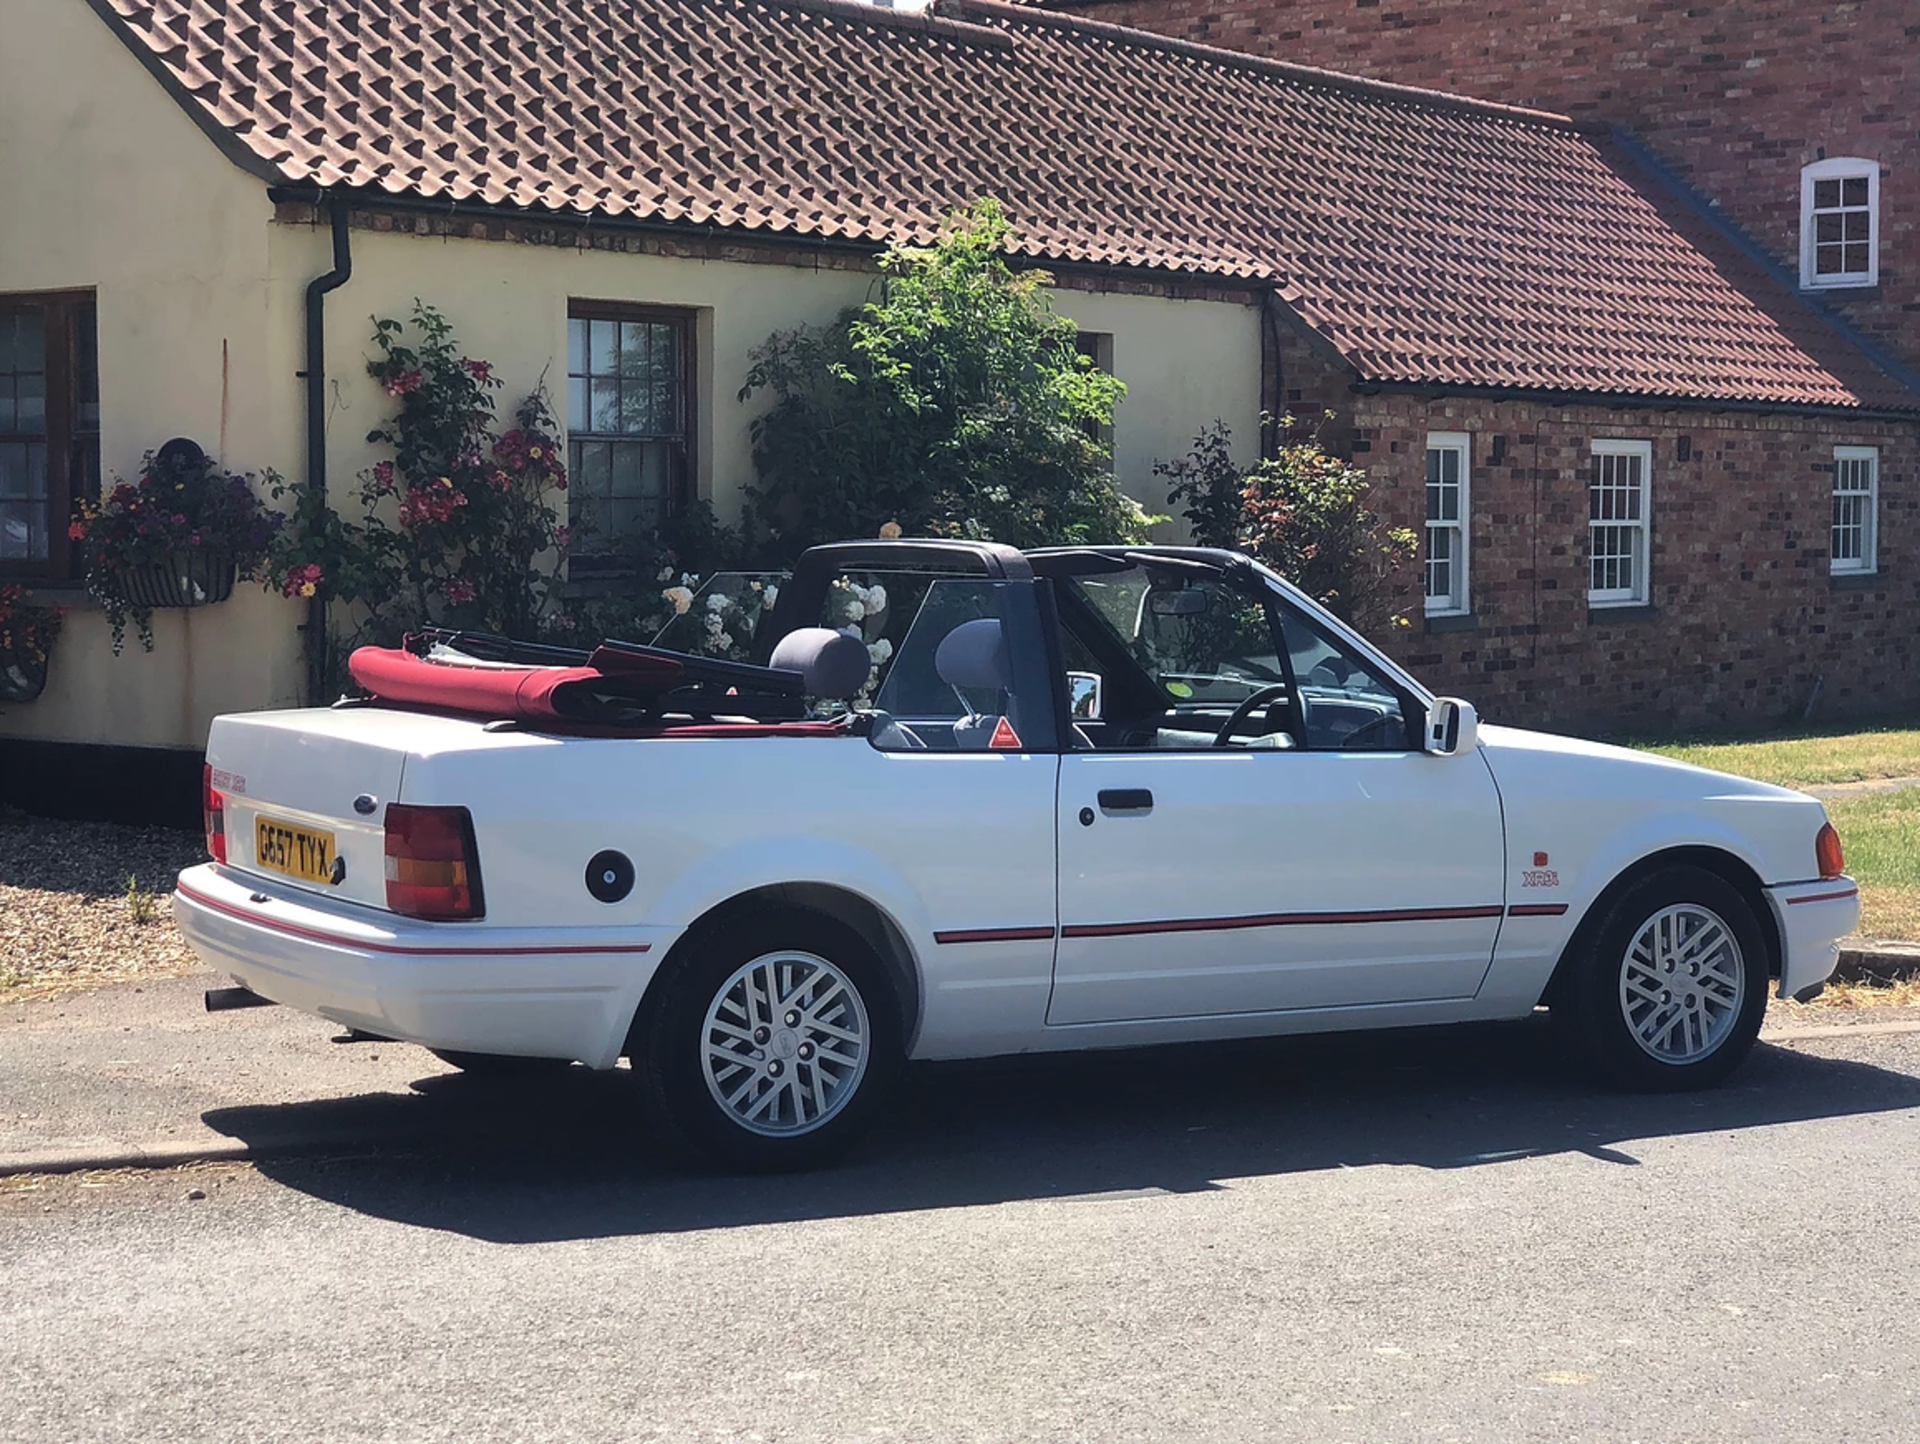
1076,798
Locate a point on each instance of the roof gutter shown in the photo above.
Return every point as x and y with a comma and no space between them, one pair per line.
745,236
1631,401
313,497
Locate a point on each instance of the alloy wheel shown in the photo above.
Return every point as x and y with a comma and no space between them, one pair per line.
785,1043
1682,983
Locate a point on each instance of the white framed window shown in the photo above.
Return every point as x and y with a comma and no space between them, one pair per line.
1619,534
1449,521
1856,509
1840,223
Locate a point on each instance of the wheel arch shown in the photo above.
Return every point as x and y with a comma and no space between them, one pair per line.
876,927
1734,870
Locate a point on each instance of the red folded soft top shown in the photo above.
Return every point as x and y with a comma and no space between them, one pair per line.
589,699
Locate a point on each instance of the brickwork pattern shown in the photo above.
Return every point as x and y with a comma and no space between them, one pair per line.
1736,96
1746,625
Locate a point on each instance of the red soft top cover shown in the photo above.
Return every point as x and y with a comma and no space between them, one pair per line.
573,699
533,694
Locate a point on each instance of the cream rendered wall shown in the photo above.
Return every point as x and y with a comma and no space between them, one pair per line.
109,186
1185,362
507,302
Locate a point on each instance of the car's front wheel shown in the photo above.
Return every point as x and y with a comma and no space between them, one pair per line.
1669,990
772,1042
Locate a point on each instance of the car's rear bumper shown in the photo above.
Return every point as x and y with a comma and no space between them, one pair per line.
1812,918
551,992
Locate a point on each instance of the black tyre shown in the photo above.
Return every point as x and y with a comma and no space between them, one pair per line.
1669,989
503,1067
772,1042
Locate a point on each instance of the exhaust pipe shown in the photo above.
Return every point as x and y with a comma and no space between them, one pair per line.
219,1000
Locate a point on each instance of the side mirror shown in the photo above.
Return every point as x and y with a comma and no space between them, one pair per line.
1453,728
1083,696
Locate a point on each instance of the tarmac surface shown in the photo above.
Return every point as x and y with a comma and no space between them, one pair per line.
1410,1236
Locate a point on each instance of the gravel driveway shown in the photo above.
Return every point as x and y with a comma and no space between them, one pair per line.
66,918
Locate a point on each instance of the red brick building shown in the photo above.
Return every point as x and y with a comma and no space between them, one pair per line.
1786,136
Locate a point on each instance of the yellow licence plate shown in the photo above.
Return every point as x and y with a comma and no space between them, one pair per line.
301,852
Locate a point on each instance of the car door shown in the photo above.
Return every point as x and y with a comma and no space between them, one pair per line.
1317,860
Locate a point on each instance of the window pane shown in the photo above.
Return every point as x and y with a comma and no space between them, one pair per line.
577,394
1854,191
1826,194
603,352
1829,227
626,470
1859,225
606,405
30,401
577,345
1855,263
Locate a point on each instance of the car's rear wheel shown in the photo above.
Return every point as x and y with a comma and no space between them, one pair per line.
771,1042
1669,990
501,1066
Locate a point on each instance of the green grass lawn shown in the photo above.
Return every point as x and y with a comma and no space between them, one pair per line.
1809,759
1880,831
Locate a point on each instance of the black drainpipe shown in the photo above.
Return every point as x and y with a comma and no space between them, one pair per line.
313,500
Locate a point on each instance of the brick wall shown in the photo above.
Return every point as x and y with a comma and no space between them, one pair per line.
1736,96
1745,619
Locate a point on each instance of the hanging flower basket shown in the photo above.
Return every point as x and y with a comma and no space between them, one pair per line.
193,579
177,537
27,633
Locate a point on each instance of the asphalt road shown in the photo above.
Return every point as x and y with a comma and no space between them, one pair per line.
1413,1237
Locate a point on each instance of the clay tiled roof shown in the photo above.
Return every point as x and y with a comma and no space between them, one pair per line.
1430,239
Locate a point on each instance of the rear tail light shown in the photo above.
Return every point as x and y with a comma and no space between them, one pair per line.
213,807
433,869
1827,853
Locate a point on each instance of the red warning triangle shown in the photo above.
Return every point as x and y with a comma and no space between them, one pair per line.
1005,739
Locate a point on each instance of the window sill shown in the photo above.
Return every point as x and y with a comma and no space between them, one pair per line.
1857,581
1440,623
1600,614
1853,291
71,595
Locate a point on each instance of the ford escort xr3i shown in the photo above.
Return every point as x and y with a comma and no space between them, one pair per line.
1008,802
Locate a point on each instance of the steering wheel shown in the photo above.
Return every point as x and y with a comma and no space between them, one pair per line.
1265,697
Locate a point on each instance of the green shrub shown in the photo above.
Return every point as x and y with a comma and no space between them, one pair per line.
1302,511
955,403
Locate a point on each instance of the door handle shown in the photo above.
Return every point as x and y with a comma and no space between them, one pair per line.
1125,799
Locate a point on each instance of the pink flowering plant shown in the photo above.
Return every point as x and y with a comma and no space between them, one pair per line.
463,525
184,514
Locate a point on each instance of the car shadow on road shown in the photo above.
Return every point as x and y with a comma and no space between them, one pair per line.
571,1158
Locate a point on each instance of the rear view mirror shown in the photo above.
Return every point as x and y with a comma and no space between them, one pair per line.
1083,696
1187,602
1453,728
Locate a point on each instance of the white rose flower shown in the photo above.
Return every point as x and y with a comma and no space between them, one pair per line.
856,611
717,602
666,575
724,641
773,595
880,651
876,599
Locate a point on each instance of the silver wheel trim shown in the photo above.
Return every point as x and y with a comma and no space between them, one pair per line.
1682,983
785,1044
